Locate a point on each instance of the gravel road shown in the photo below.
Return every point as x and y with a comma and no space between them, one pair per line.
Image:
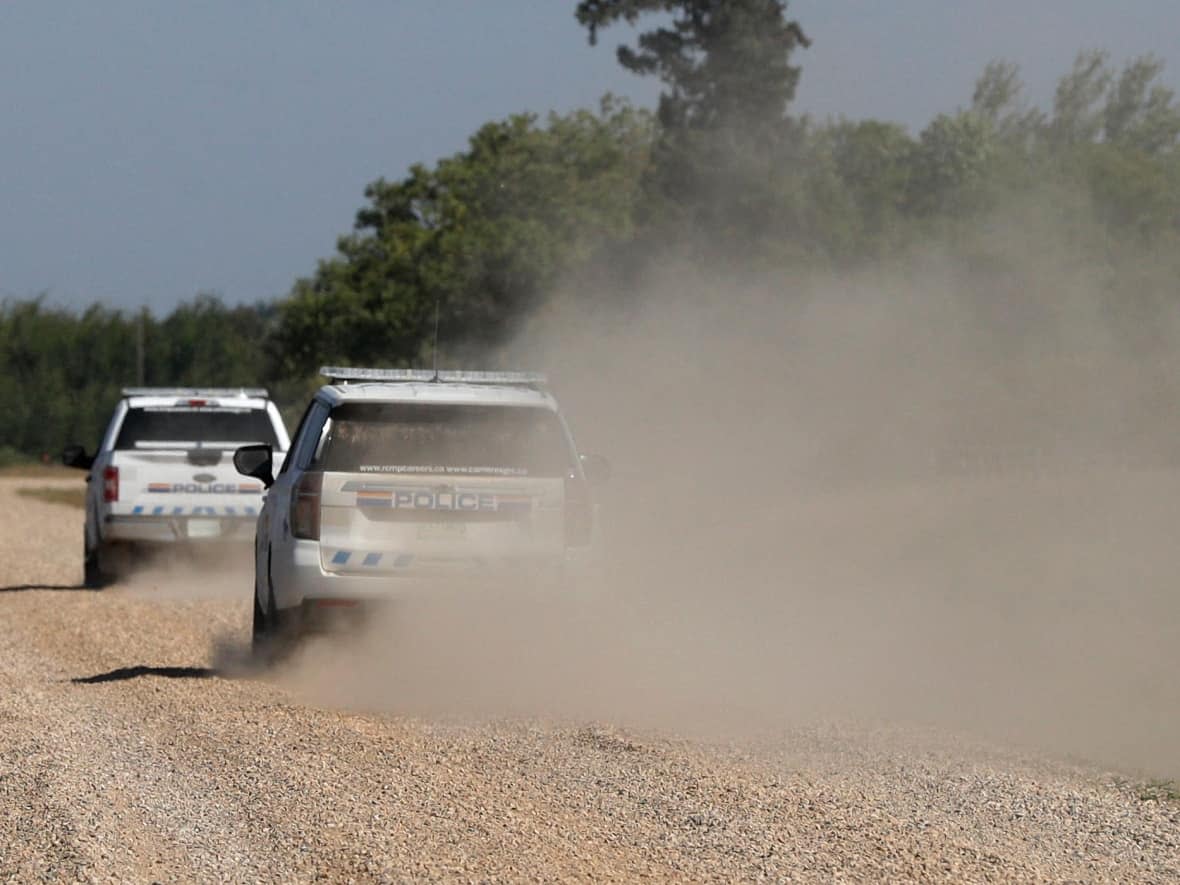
130,752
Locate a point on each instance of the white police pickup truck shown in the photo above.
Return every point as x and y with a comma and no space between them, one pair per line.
164,474
399,480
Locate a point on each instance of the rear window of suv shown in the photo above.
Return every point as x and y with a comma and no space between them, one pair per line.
444,439
187,425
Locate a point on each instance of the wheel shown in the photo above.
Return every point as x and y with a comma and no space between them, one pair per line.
272,636
96,565
259,626
263,643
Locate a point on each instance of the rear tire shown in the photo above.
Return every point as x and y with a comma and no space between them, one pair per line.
262,639
259,625
272,637
96,567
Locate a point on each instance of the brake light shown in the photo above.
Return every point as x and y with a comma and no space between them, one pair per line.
305,506
110,484
579,514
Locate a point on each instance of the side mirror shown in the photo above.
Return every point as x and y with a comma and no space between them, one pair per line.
257,462
596,469
75,456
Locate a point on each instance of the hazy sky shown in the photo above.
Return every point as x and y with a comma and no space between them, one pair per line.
154,149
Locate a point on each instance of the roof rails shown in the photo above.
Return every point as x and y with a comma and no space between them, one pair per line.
344,375
195,391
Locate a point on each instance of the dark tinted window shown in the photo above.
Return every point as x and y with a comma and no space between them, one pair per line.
187,424
445,439
302,447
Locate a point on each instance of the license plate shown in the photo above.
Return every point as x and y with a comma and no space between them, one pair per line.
204,528
441,530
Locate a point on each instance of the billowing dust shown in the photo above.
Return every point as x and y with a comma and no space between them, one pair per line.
217,572
944,491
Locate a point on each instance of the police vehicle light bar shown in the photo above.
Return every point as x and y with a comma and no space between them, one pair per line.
344,374
195,392
492,377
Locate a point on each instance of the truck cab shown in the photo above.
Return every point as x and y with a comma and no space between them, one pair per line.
163,474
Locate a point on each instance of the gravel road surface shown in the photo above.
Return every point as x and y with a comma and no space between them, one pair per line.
130,752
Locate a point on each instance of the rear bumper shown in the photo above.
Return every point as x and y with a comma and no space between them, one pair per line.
178,529
300,581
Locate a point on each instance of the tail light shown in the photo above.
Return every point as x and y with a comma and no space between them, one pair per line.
110,484
305,506
579,515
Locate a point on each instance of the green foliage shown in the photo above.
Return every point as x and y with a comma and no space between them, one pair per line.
1077,113
483,235
950,165
726,65
722,176
584,202
65,370
201,343
1160,791
1133,191
999,101
12,457
723,130
1140,114
874,162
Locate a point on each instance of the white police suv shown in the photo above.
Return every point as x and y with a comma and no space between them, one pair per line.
163,474
403,480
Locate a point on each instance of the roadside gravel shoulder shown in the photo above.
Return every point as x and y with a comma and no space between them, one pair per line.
131,750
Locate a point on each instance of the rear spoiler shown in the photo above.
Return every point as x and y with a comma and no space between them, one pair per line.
343,375
197,391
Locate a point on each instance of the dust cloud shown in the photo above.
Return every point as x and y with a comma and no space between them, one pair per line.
942,490
189,574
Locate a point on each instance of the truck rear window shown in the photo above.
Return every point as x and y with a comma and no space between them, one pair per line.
445,439
187,426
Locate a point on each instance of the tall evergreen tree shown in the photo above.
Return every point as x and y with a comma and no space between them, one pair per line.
724,132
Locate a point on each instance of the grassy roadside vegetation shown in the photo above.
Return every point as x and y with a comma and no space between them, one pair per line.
49,494
1160,791
70,496
37,470
1154,790
14,462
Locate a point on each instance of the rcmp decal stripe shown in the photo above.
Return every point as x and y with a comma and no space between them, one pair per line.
167,488
371,560
360,486
514,503
374,498
401,497
161,510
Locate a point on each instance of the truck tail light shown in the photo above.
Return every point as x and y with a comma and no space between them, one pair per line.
110,484
305,506
579,514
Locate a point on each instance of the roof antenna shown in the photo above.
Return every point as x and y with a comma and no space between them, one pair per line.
434,346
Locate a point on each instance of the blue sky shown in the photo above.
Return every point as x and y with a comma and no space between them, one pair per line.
155,149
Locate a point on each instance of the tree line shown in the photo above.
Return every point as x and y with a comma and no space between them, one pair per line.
721,173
